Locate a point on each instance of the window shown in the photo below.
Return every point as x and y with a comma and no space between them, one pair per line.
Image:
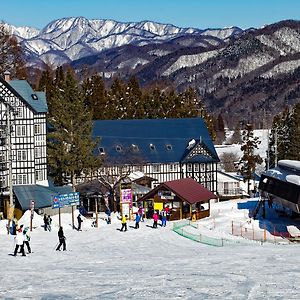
101,150
196,168
37,129
39,175
152,147
34,96
156,168
135,148
38,152
173,167
21,130
19,112
21,155
189,167
118,148
169,147
2,181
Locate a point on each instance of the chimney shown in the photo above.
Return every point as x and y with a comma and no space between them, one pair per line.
7,76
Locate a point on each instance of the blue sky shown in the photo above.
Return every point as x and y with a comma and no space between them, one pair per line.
183,13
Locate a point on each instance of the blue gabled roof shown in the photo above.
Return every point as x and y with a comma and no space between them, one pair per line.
159,132
23,88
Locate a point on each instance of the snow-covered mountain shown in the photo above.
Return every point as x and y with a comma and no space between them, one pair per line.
69,39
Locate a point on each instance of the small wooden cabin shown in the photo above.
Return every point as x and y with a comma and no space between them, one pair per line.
185,197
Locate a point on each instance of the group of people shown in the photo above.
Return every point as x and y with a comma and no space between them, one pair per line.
47,222
139,216
22,238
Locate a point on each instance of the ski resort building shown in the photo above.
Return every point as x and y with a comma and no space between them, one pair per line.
22,138
163,149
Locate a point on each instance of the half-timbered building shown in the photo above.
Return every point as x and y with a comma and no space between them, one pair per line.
22,136
163,149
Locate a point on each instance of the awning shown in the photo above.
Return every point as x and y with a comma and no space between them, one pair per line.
42,195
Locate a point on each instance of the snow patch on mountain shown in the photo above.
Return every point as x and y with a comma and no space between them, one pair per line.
189,61
158,52
284,67
275,44
289,37
133,63
222,33
245,66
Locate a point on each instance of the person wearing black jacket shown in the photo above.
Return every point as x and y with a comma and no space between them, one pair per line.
62,239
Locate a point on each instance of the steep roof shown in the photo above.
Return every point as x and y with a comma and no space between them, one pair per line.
36,100
187,189
154,140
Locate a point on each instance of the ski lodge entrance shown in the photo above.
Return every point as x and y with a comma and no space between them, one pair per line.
185,198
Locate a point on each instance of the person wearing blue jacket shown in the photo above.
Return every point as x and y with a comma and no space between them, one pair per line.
137,221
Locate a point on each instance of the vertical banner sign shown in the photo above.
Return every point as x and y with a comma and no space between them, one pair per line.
126,198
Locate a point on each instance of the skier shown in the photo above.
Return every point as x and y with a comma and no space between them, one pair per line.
62,239
49,221
137,221
26,239
155,219
141,213
19,240
45,222
79,222
124,223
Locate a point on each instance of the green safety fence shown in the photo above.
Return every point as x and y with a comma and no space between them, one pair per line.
179,227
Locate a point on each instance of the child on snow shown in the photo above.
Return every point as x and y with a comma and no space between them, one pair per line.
124,223
137,221
19,240
155,219
26,239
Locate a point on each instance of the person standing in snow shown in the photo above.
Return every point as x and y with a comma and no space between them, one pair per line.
49,221
19,240
137,220
155,219
26,239
62,239
141,213
163,218
45,222
124,223
79,220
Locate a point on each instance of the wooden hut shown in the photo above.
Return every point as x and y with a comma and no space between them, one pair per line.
185,197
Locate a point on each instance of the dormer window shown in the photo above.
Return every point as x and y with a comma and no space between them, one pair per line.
101,150
34,96
169,147
118,148
135,148
152,147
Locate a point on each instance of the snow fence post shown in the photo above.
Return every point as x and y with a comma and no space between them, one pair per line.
265,233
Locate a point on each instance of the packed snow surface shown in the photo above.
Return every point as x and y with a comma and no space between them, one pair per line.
146,263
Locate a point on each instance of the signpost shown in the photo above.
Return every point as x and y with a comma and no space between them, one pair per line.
59,201
32,213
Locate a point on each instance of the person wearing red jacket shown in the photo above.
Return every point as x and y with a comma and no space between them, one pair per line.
155,219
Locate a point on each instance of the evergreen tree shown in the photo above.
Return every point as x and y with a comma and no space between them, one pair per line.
293,151
236,136
70,150
279,137
249,160
94,94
